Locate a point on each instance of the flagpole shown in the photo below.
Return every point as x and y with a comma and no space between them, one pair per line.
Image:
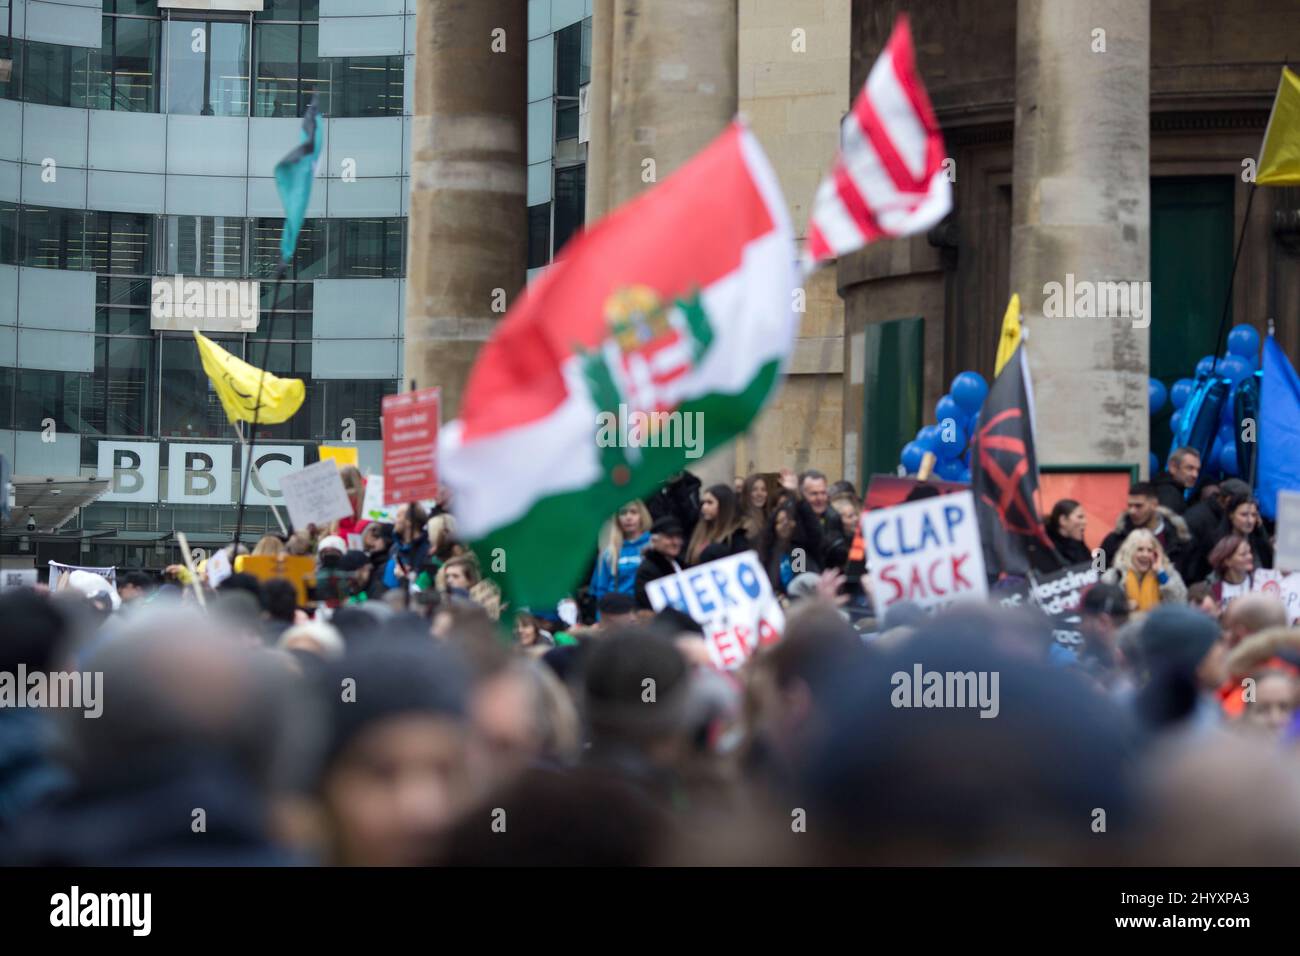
257,407
1232,276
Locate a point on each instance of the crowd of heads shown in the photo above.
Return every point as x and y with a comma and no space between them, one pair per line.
390,708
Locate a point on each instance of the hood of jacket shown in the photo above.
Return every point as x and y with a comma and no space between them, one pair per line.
1181,531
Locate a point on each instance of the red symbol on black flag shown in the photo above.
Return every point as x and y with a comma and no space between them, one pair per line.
1007,490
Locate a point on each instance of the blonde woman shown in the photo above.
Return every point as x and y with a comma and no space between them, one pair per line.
1145,574
268,545
487,595
626,536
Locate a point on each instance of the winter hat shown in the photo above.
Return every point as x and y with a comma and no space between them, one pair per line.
1176,637
667,525
332,542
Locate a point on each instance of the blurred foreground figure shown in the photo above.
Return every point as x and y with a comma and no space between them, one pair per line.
396,773
180,766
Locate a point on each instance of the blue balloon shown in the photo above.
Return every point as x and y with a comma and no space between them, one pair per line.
1156,395
952,441
1228,458
1181,392
1204,365
1154,464
950,469
965,474
946,407
968,391
928,438
1243,340
1234,368
910,457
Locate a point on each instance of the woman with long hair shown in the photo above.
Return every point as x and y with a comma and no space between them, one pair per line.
1232,567
790,544
625,536
720,531
1065,526
755,505
1147,576
1241,517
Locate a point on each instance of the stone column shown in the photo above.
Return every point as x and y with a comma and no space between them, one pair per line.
468,221
673,85
1081,214
598,97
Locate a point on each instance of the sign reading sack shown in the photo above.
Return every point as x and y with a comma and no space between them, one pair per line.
732,600
199,474
315,495
926,551
273,463
131,468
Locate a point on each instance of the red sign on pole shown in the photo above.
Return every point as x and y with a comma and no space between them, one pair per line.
411,445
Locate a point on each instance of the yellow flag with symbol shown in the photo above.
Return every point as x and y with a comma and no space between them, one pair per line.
238,386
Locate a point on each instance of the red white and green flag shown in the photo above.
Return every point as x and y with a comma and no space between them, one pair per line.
655,338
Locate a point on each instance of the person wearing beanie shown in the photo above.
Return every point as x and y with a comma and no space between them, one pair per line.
615,609
395,771
1174,645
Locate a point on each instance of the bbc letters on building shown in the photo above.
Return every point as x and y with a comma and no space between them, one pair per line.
192,473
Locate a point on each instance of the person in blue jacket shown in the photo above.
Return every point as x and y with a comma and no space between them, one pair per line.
626,536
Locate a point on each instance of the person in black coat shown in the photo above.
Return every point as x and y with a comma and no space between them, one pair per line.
678,498
1203,521
791,544
720,532
1066,525
1173,484
661,557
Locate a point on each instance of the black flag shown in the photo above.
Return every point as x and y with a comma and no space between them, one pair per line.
1004,473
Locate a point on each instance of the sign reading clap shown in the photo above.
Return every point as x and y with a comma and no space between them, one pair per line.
732,600
926,551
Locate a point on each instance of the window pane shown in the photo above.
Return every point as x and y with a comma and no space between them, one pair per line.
123,321
566,120
116,291
365,248
142,7
119,243
53,238
190,408
570,203
539,235
277,69
55,75
367,86
308,257
568,60
56,395
8,233
7,379
207,68
359,400
125,69
119,401
205,246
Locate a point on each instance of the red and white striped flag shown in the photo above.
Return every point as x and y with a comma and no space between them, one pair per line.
888,179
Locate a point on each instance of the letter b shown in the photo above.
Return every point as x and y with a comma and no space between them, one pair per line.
199,480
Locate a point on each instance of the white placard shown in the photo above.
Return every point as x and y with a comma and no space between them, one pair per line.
218,568
199,474
373,507
1287,557
315,495
732,600
926,551
273,463
131,468
18,578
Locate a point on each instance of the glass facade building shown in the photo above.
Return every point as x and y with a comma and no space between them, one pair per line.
137,144
559,70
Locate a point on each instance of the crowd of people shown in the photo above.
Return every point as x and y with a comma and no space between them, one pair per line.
391,709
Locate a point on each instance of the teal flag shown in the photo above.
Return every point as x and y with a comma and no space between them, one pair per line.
293,176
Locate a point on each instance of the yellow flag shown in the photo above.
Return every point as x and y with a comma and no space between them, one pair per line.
237,386
1010,337
1279,157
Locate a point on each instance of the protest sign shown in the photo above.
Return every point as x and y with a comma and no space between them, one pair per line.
926,551
17,578
732,600
373,507
315,495
57,572
1288,531
298,570
340,454
218,568
1062,590
411,444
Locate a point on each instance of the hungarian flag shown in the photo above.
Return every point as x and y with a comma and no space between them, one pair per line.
1004,472
888,178
652,341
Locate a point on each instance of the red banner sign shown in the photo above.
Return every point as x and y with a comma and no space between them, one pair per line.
411,445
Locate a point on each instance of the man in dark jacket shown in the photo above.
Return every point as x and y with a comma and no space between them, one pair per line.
1144,511
1173,484
835,543
1203,520
679,498
660,558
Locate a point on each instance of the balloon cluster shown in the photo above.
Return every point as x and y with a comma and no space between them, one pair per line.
957,414
1240,361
